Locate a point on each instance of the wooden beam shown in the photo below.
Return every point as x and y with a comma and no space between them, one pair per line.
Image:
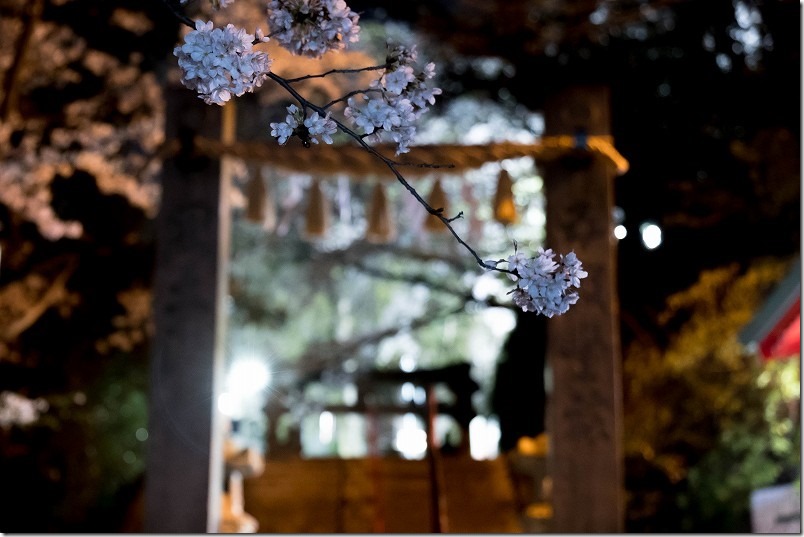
583,346
422,161
184,465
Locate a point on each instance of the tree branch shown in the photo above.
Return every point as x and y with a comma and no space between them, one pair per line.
10,85
392,165
336,71
52,296
321,354
178,13
287,85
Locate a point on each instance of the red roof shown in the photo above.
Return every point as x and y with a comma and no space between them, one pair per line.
784,339
775,331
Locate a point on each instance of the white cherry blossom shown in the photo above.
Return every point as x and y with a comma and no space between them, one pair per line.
544,286
400,96
320,126
221,62
312,27
396,81
307,129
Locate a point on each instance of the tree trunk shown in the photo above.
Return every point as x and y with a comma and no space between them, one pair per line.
184,465
583,346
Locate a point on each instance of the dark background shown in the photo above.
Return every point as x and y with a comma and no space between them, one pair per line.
675,117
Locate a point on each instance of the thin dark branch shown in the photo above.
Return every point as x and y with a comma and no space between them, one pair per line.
10,86
336,71
463,294
413,279
321,354
391,164
346,97
178,13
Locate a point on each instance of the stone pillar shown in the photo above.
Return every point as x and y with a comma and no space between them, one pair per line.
184,466
583,346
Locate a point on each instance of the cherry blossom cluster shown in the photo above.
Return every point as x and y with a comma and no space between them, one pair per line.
392,104
403,97
220,62
307,129
312,27
544,286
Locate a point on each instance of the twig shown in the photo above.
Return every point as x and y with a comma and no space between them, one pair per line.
392,165
55,293
287,85
320,354
178,13
465,295
336,71
346,97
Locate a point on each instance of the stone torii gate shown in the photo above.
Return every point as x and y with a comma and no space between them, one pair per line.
184,466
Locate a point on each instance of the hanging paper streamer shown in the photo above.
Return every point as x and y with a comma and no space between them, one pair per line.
504,207
344,199
255,198
476,225
316,218
269,219
437,200
291,203
381,228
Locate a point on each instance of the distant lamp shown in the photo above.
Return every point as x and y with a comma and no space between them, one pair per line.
316,218
504,206
436,200
381,227
248,376
651,235
410,439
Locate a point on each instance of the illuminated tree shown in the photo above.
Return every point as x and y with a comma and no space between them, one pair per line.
706,422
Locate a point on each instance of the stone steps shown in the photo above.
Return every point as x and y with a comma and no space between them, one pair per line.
385,495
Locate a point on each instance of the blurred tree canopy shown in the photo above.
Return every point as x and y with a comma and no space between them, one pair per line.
706,422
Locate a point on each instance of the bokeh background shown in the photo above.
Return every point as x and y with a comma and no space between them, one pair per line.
705,106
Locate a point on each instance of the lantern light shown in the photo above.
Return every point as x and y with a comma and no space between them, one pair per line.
504,206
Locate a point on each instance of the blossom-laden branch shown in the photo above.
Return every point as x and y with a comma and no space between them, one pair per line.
220,63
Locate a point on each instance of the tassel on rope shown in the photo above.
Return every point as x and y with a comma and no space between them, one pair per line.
504,207
270,218
437,200
381,228
316,218
256,201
